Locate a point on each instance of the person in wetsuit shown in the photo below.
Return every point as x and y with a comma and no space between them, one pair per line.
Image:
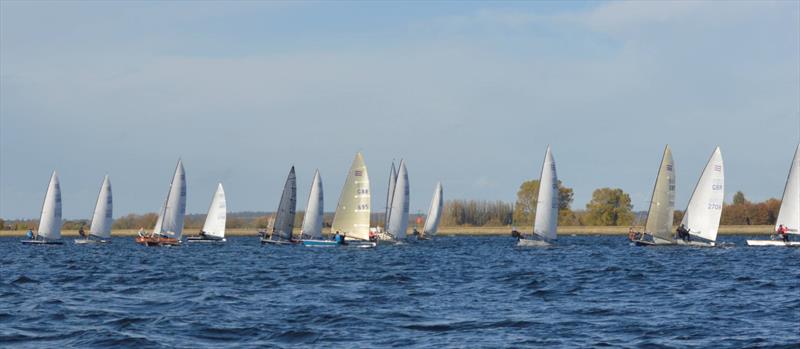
81,232
683,233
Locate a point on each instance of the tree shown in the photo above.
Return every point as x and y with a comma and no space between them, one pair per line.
528,193
738,198
609,206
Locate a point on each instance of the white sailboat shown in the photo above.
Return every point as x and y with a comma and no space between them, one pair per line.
49,231
789,213
283,226
169,226
100,230
312,220
352,216
434,213
658,227
546,220
389,195
214,226
704,210
397,224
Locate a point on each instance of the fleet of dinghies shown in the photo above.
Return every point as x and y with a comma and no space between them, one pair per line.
351,221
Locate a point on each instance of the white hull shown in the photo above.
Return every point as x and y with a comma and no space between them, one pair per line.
42,242
204,239
773,243
91,241
532,243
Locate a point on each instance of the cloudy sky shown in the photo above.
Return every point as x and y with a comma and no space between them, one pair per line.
468,93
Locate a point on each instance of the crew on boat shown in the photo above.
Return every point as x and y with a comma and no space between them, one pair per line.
81,232
783,232
415,232
634,235
30,235
515,233
683,233
337,238
372,236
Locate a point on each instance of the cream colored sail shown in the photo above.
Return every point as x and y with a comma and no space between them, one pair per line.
662,204
353,210
705,206
217,214
103,212
50,221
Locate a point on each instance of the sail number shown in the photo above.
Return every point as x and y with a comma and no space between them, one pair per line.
716,187
714,206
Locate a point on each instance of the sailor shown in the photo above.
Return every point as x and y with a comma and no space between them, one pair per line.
337,238
81,232
344,239
29,234
372,236
631,234
515,233
415,232
683,233
141,232
783,232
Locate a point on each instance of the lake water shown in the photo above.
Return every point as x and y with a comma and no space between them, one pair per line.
451,292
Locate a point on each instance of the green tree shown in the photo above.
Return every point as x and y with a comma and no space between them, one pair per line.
609,206
738,198
528,193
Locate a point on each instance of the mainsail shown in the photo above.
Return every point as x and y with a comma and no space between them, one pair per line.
662,204
705,205
103,216
547,202
353,210
789,214
217,214
434,212
312,221
284,216
170,222
398,220
389,195
50,221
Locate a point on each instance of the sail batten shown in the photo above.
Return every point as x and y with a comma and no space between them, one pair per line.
546,221
704,210
662,203
217,214
353,209
102,218
312,221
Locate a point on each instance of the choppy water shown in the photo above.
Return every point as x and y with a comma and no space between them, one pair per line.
451,292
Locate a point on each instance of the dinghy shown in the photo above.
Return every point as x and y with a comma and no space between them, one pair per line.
49,231
352,216
434,214
379,231
169,225
100,230
704,210
214,226
397,224
658,227
311,231
546,219
789,213
281,231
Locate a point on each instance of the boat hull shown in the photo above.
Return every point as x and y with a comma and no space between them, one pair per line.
331,243
41,242
202,239
532,243
773,243
91,241
156,241
319,243
278,242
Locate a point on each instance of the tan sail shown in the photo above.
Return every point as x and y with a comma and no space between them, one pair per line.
353,210
662,204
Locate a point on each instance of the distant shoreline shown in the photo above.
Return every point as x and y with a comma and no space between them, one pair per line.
458,230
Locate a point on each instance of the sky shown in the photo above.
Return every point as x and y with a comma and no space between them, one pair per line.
468,93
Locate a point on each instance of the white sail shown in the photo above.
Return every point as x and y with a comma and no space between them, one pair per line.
103,212
353,210
312,221
389,195
662,203
705,205
284,216
789,214
217,214
434,212
547,202
170,222
398,220
50,221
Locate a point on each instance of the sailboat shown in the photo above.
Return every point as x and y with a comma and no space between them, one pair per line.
100,230
214,226
169,225
281,230
352,216
704,210
658,227
397,223
49,232
789,213
546,220
380,232
434,214
312,220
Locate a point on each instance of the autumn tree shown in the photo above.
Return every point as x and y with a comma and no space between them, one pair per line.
609,207
527,195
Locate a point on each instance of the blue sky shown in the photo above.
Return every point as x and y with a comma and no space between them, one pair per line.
468,93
